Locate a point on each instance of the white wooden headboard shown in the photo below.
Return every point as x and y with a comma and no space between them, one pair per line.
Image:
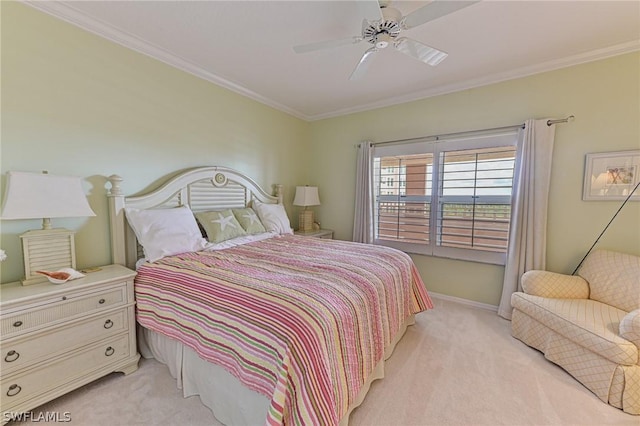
202,189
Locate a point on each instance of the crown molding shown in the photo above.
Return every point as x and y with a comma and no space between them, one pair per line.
79,19
594,55
75,17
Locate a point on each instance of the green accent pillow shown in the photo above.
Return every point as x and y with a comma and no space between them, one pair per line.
249,220
220,225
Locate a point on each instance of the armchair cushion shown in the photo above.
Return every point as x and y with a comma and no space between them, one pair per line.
553,285
588,323
630,327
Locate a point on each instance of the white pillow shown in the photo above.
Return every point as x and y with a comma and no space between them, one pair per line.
273,217
164,232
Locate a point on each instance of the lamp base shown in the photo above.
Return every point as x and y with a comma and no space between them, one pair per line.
47,250
305,221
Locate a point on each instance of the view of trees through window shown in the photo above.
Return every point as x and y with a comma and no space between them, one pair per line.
472,198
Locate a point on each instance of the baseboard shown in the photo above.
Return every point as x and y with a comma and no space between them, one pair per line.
462,301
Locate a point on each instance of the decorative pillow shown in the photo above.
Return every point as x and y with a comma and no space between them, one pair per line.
164,232
220,225
273,217
249,220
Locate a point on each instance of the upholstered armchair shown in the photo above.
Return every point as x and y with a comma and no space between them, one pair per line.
588,324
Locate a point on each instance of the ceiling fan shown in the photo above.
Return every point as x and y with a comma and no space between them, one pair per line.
381,27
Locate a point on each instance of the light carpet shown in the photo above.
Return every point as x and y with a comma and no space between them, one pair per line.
458,365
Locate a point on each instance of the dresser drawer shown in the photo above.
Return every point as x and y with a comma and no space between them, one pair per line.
22,387
44,345
60,308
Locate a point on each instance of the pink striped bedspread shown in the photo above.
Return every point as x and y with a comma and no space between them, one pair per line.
303,321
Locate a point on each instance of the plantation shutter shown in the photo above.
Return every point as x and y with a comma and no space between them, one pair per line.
474,206
404,200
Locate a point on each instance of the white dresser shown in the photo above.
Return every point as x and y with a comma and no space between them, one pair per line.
56,338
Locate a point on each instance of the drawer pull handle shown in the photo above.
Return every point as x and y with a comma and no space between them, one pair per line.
14,390
12,356
64,297
110,351
101,301
108,324
17,323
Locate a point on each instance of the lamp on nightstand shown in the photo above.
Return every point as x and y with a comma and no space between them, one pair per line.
44,196
306,196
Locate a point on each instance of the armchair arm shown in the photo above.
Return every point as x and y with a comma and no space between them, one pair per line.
630,327
554,286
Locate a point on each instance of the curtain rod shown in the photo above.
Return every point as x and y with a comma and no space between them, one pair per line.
493,129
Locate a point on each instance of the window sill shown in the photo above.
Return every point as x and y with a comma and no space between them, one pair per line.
491,258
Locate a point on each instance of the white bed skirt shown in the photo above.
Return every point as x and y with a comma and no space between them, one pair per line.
230,401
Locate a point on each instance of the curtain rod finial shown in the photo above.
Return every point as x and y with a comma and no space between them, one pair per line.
562,120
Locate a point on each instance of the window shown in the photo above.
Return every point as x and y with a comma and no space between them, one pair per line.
447,198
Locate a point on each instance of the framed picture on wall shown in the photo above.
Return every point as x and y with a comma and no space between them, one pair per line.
612,176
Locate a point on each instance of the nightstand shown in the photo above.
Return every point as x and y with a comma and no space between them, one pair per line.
56,338
321,233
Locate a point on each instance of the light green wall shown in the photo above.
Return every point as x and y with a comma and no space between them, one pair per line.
74,103
604,96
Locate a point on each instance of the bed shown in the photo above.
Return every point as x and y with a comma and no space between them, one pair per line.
266,327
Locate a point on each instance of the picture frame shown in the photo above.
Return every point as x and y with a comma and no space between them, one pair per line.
611,176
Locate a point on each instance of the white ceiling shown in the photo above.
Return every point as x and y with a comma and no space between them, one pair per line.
246,46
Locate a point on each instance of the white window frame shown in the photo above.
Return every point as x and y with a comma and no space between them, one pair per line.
437,146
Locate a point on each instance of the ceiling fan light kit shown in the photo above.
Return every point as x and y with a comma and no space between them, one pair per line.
386,30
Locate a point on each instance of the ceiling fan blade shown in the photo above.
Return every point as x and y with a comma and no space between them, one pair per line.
369,10
319,45
433,10
365,25
363,65
420,51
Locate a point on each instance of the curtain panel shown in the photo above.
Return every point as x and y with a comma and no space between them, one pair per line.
363,216
528,228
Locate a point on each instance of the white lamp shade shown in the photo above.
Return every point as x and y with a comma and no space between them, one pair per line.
306,196
39,196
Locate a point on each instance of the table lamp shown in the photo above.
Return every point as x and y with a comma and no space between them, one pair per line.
306,196
44,196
